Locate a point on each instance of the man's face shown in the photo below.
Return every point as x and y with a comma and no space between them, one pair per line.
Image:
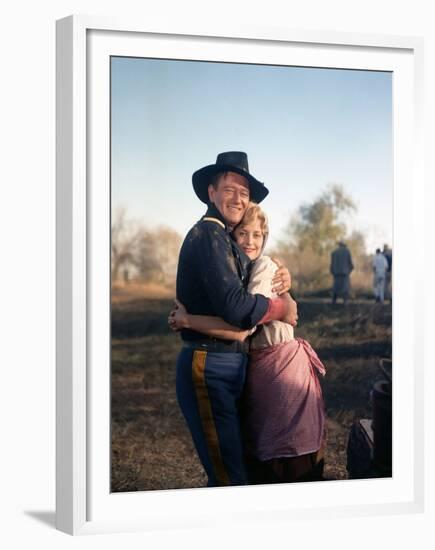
231,197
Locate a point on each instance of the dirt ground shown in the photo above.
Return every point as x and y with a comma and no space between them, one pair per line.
151,446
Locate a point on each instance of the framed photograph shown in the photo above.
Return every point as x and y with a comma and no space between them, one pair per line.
326,119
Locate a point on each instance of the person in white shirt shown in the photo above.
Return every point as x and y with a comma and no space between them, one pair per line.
380,268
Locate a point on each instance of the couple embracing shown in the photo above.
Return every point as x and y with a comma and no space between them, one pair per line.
248,389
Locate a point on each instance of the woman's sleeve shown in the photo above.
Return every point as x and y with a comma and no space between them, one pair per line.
260,281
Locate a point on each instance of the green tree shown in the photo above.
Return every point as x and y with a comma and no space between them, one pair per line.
318,226
313,233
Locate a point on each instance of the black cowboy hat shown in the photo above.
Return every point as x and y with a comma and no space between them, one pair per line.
232,161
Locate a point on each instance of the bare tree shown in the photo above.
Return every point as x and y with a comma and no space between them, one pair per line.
169,243
157,255
146,258
153,255
126,236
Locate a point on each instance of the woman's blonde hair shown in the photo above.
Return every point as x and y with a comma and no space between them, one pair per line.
254,212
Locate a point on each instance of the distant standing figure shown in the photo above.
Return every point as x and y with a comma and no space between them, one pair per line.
341,267
380,268
388,253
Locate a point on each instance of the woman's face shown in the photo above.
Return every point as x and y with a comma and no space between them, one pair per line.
250,238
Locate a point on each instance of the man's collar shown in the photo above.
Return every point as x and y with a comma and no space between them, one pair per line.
213,212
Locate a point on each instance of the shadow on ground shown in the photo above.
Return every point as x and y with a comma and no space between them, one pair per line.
46,517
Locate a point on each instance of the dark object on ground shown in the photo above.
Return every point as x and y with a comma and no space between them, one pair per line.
369,449
360,450
382,426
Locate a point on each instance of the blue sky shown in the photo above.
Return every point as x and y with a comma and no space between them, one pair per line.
303,128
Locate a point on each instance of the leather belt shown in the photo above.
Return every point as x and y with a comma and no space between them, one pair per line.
217,346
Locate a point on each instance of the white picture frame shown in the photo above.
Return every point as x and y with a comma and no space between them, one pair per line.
83,501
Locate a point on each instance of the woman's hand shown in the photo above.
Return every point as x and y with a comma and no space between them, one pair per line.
178,317
282,280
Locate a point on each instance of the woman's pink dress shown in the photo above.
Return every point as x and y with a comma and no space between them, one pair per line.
283,406
284,413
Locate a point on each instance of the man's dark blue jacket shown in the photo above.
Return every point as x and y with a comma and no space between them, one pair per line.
212,274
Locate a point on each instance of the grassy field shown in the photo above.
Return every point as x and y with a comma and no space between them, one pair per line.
151,446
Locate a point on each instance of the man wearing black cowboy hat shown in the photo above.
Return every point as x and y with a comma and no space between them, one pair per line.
211,277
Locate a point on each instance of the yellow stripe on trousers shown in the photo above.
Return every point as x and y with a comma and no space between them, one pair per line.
206,414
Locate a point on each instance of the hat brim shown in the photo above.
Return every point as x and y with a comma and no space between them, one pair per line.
201,181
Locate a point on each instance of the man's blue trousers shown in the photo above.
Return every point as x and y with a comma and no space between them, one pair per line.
209,388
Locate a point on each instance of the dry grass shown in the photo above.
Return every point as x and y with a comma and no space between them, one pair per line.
151,446
137,290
